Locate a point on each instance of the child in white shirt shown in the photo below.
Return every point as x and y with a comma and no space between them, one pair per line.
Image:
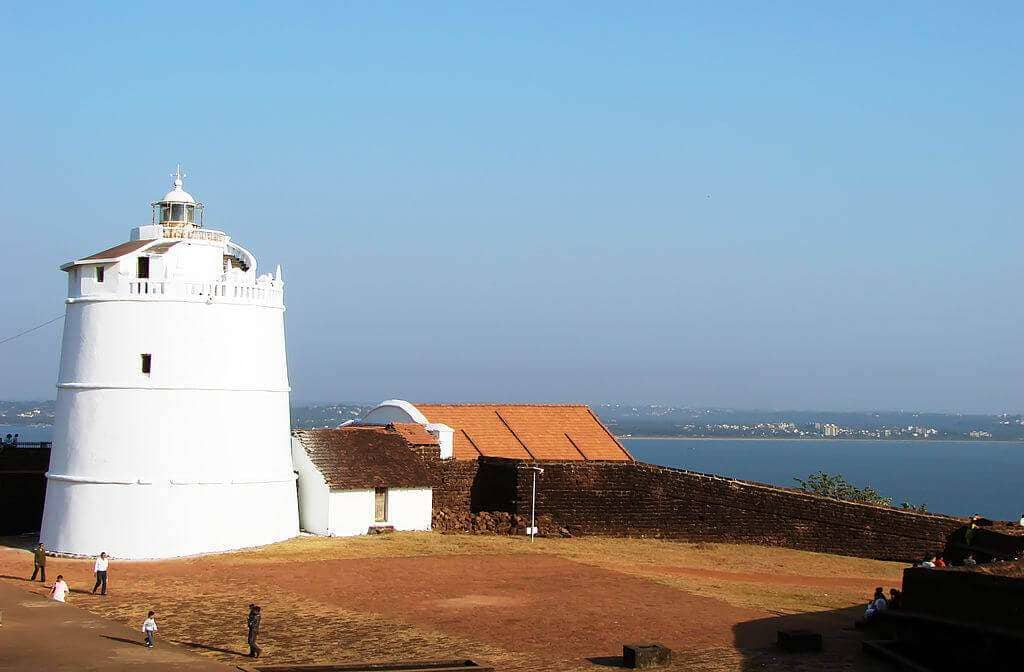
148,628
60,589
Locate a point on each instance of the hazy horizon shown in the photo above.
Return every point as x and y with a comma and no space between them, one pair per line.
762,207
738,409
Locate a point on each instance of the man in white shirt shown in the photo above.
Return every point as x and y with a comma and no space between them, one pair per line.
60,590
101,573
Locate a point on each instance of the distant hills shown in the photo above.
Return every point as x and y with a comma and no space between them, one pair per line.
686,422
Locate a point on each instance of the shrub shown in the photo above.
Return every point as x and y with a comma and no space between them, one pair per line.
837,487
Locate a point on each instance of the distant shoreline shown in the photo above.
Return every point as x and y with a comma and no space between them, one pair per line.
809,439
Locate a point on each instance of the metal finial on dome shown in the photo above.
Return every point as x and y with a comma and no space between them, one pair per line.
177,194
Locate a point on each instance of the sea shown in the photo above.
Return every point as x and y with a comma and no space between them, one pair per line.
955,477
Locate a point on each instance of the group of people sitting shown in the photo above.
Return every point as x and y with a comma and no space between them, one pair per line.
10,440
932,562
880,603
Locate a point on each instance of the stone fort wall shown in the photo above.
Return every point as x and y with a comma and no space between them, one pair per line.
22,488
638,499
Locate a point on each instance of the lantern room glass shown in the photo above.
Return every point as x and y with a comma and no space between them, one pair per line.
176,214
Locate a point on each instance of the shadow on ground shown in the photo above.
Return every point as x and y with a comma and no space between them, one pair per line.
207,647
136,642
841,650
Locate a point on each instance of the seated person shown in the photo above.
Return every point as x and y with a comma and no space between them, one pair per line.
970,561
895,598
939,562
876,604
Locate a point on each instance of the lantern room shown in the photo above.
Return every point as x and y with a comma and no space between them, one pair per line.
177,207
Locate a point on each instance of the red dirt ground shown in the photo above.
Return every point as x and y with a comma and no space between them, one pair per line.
520,611
523,603
865,585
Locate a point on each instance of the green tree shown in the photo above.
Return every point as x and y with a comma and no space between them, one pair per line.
837,487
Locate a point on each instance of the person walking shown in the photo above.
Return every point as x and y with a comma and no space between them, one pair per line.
39,563
101,573
60,589
253,622
149,628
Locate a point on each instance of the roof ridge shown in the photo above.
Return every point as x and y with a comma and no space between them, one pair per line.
495,405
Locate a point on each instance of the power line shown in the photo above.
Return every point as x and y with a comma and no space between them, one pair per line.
30,330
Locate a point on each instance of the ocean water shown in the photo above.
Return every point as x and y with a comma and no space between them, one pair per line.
955,477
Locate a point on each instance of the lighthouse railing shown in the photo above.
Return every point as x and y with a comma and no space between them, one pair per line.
228,292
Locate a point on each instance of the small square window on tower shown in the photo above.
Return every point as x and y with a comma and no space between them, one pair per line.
147,363
99,273
143,267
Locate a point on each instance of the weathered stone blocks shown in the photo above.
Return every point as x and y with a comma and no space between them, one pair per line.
643,656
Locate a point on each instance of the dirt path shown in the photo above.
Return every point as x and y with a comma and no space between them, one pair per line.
40,634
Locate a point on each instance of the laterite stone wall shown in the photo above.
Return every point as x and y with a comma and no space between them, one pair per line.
637,499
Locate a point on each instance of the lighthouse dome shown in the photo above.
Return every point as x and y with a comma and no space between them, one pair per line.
177,194
177,207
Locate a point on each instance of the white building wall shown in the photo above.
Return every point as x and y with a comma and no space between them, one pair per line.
314,495
191,458
352,511
410,509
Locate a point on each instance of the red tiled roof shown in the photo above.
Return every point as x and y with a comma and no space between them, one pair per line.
415,434
118,250
359,457
526,431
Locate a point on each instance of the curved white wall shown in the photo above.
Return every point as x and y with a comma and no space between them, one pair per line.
401,411
393,410
191,458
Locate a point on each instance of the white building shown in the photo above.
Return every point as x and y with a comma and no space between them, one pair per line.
171,435
353,480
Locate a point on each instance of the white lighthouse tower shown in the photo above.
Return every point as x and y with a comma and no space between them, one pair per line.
172,425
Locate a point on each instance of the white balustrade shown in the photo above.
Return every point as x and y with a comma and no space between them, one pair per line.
226,292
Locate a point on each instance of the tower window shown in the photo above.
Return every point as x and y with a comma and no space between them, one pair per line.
380,505
147,363
143,267
99,274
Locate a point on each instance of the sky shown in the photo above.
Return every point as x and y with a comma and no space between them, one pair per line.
752,205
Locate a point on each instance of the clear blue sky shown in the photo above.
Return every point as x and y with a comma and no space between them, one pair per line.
776,205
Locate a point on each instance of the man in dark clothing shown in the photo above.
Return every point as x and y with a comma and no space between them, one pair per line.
39,555
254,630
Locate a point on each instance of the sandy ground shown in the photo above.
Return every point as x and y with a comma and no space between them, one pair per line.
566,604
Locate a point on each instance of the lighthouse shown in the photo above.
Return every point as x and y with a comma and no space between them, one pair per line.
172,428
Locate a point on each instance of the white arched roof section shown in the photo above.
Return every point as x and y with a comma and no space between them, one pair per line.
393,410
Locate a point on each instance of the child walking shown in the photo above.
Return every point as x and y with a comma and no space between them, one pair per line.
148,628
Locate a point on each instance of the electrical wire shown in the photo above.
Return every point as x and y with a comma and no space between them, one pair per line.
30,330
